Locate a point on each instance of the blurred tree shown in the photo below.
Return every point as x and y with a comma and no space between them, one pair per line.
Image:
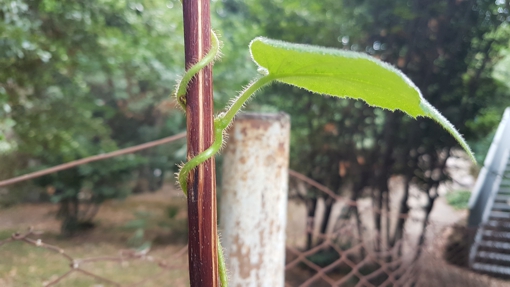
79,79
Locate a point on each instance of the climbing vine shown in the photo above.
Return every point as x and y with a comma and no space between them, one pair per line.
320,70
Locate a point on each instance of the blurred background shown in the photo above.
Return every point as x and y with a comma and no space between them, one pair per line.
80,78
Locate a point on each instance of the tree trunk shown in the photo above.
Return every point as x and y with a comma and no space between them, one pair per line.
423,234
388,217
353,209
403,212
311,206
359,227
382,174
328,207
69,212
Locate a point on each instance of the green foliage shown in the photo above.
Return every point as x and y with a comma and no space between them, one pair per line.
83,79
140,224
324,257
172,211
458,199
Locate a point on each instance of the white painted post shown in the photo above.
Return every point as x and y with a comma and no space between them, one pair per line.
254,199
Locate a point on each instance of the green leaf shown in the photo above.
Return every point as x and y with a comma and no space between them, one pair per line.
346,74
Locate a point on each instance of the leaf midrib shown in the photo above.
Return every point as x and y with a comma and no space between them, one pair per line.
328,75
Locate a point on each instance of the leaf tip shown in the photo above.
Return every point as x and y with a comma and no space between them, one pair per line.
433,113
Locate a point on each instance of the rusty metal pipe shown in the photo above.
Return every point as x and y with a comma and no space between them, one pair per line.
254,199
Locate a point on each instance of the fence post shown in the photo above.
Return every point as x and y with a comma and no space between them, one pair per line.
253,209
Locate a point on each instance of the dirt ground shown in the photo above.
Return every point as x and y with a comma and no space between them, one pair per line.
24,265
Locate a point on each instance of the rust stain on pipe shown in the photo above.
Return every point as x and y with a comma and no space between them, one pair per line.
254,199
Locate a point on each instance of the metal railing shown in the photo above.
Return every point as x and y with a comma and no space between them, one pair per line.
489,172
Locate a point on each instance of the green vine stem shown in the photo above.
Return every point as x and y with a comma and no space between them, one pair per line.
180,92
222,268
221,123
200,158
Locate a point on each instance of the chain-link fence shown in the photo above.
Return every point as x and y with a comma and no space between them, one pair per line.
408,249
79,265
344,256
343,259
349,250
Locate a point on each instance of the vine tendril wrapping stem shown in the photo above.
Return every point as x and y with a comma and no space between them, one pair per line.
180,94
221,122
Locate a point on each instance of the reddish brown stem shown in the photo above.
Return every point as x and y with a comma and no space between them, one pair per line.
203,264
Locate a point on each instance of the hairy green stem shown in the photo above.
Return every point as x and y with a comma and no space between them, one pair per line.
200,158
180,92
220,124
239,102
221,265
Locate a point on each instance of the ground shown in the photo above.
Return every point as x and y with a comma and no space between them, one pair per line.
26,265
163,218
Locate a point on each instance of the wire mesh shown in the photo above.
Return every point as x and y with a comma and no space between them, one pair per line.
78,265
424,252
352,252
339,258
